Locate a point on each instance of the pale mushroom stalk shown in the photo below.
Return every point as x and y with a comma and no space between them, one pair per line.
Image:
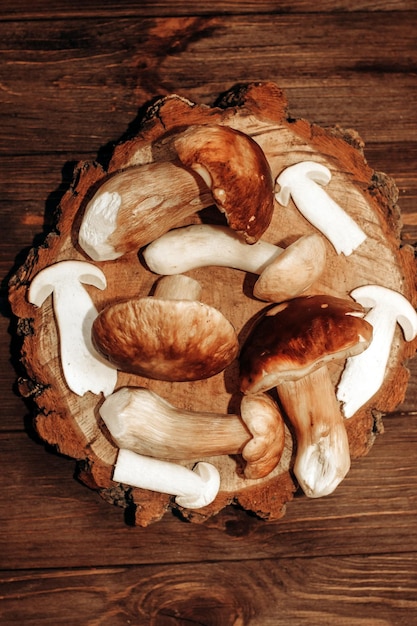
364,374
193,488
284,273
201,245
168,336
289,349
302,182
178,287
83,367
140,420
311,406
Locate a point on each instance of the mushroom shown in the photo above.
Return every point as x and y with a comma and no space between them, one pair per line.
83,367
300,182
235,169
169,336
289,349
135,206
140,420
283,273
364,374
193,488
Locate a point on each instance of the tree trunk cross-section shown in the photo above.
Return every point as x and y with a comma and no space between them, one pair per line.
72,424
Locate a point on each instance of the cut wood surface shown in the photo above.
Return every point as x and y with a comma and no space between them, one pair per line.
72,80
71,423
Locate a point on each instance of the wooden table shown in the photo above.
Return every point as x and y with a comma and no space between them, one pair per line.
73,78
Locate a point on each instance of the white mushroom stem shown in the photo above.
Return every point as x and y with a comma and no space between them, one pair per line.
193,488
322,458
302,182
364,373
201,245
83,367
140,420
284,273
178,287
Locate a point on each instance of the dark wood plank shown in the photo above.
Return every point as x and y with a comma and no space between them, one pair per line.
345,591
43,9
91,76
72,79
49,519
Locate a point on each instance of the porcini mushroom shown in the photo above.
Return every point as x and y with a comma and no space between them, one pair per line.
237,172
140,420
135,206
193,488
302,181
83,367
284,273
288,349
364,374
169,336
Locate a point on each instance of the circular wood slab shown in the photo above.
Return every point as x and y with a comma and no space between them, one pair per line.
72,423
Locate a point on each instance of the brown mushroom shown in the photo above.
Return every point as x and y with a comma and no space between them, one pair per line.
288,349
134,206
169,336
141,421
235,169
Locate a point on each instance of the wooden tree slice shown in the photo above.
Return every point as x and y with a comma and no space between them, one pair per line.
72,423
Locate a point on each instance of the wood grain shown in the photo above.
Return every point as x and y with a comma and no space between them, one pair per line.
93,8
72,78
344,591
52,521
104,70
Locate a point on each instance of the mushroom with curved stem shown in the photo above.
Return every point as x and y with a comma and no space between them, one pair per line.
288,349
284,273
302,181
168,336
364,374
140,420
193,488
216,164
83,367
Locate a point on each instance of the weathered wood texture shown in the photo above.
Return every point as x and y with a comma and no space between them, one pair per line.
263,593
326,562
71,80
135,8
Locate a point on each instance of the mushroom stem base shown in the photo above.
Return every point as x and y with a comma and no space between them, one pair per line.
323,457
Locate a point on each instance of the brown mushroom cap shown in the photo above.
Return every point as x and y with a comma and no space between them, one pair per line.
296,337
237,172
173,340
